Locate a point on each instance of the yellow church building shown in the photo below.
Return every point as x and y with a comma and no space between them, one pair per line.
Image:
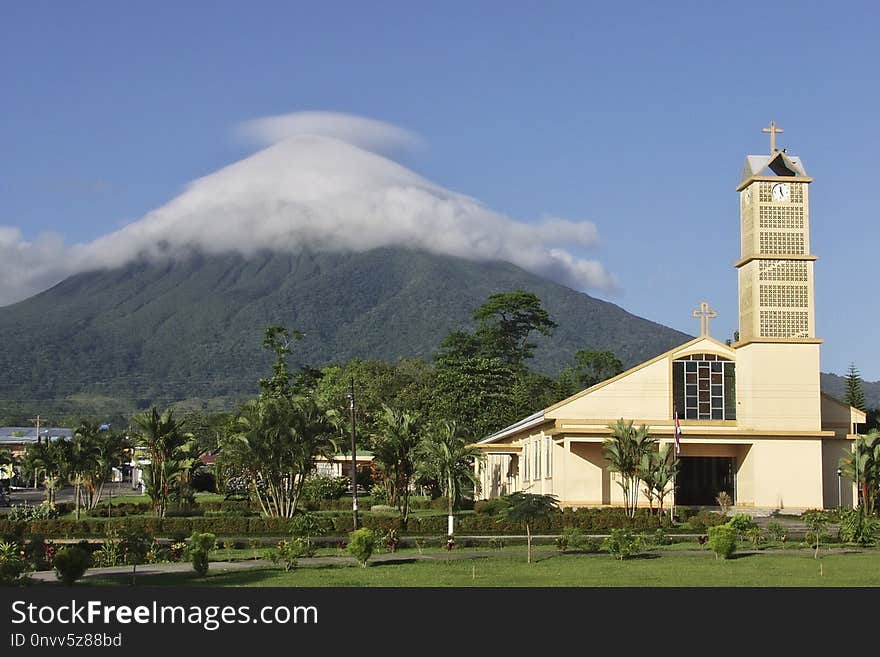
753,420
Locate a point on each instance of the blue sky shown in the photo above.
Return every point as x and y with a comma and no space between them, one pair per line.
636,117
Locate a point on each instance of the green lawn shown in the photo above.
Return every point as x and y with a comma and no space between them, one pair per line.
796,568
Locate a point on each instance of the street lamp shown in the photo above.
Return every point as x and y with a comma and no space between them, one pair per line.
839,488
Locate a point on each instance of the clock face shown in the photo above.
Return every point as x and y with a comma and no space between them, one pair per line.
781,192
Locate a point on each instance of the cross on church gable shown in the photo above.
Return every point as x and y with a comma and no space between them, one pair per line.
704,313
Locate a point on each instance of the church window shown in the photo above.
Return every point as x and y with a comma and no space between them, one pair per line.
538,459
704,387
548,442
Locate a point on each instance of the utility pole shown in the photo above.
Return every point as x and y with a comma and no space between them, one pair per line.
354,490
36,421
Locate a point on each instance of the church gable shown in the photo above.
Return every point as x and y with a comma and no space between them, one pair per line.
642,392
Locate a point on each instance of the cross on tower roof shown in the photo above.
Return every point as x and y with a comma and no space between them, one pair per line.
772,130
705,314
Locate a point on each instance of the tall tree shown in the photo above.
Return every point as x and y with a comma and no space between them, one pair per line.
394,444
446,455
855,396
278,339
625,450
506,321
82,461
161,435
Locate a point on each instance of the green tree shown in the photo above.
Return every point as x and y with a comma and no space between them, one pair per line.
82,460
855,396
625,450
526,509
506,321
111,450
49,459
657,471
275,441
591,367
446,455
161,435
395,443
862,466
278,340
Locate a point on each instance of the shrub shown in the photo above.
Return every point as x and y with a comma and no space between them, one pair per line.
722,540
361,544
623,544
660,537
776,531
289,552
705,519
13,567
71,563
200,546
572,538
755,536
856,527
724,501
322,487
742,523
379,494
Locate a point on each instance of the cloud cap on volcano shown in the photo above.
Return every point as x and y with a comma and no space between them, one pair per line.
327,194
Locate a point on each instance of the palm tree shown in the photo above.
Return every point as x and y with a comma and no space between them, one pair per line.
50,458
447,457
526,508
657,471
862,466
83,460
111,451
276,441
625,450
394,451
162,437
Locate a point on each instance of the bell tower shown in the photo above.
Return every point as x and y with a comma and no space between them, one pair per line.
777,322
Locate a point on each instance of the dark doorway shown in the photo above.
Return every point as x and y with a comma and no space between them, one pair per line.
701,478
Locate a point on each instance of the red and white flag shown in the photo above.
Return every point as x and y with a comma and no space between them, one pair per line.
677,435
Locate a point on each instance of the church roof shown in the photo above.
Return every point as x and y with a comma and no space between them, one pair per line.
779,163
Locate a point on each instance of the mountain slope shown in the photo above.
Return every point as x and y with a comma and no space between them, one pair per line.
192,327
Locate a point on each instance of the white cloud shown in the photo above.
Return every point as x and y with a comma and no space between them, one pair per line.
321,193
368,134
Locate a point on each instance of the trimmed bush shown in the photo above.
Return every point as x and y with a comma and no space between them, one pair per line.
361,544
722,540
71,563
200,546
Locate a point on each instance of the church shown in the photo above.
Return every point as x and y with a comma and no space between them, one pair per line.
753,421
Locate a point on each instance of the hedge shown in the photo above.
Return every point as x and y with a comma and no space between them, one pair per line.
588,520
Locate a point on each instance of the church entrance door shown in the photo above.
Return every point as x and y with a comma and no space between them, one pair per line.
701,478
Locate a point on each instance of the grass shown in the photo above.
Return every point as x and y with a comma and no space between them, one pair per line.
551,569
